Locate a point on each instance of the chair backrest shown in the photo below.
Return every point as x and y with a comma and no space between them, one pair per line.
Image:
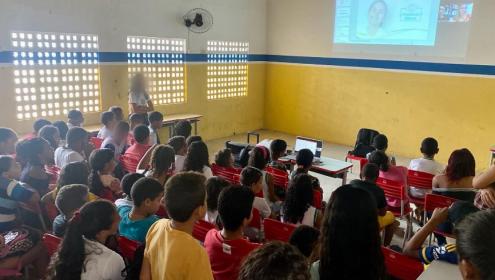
433,201
51,242
317,199
231,175
256,220
276,230
128,247
96,142
392,189
200,230
162,212
400,266
421,180
54,173
129,163
280,177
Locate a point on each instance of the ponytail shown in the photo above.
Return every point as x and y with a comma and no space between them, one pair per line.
95,184
97,161
94,217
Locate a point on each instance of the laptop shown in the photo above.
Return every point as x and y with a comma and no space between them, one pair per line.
316,146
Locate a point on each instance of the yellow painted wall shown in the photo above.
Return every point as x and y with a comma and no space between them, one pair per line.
333,103
221,117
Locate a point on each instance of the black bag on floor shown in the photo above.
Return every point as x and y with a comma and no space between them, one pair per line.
364,140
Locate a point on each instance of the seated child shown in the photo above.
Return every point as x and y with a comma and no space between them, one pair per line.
224,158
147,195
304,161
275,261
228,248
252,178
20,245
8,140
69,199
118,112
278,149
182,128
197,159
101,181
118,141
305,238
37,126
109,122
162,158
444,252
386,219
134,121
380,143
193,138
459,173
171,251
74,119
37,153
156,122
297,208
180,148
141,146
214,186
62,129
51,134
427,164
74,149
259,158
83,254
126,185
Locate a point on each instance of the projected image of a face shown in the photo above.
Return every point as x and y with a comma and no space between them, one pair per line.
376,16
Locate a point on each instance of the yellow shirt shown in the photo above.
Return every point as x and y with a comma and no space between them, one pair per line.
174,254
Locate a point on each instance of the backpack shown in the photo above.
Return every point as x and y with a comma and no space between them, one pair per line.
364,140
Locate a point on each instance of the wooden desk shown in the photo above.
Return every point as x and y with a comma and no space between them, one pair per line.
328,167
441,270
170,120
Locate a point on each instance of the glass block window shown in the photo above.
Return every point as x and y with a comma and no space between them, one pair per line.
162,61
54,73
227,69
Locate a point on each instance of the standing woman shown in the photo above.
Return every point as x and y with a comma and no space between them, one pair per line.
139,100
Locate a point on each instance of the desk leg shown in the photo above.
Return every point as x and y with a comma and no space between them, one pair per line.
196,128
170,131
344,177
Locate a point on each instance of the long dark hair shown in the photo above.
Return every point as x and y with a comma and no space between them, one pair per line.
74,173
197,157
31,150
97,161
350,239
161,159
93,218
48,133
461,164
381,159
299,198
259,157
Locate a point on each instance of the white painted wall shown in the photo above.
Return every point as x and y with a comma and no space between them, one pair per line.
113,20
305,28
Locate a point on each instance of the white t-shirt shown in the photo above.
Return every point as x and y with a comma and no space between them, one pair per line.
262,206
426,165
101,263
64,156
207,172
119,149
104,133
139,98
179,163
211,217
309,217
153,136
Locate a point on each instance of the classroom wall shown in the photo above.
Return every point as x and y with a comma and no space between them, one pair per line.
332,102
114,20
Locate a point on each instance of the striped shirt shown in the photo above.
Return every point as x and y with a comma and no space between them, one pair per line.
11,191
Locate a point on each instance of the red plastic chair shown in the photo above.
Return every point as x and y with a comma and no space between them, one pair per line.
54,172
52,243
420,180
362,161
276,230
96,142
400,266
397,190
433,201
129,163
162,212
200,230
231,175
317,199
280,177
256,220
128,247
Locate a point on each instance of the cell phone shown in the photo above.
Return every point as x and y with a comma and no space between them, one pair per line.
10,236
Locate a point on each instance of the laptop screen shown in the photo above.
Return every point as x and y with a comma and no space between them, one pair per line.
311,144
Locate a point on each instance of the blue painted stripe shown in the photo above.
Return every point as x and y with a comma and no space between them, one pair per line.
121,57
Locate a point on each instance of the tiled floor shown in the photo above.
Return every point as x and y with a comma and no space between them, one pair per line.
329,150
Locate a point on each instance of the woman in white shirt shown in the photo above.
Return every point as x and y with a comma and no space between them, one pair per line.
297,208
82,254
198,159
139,100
